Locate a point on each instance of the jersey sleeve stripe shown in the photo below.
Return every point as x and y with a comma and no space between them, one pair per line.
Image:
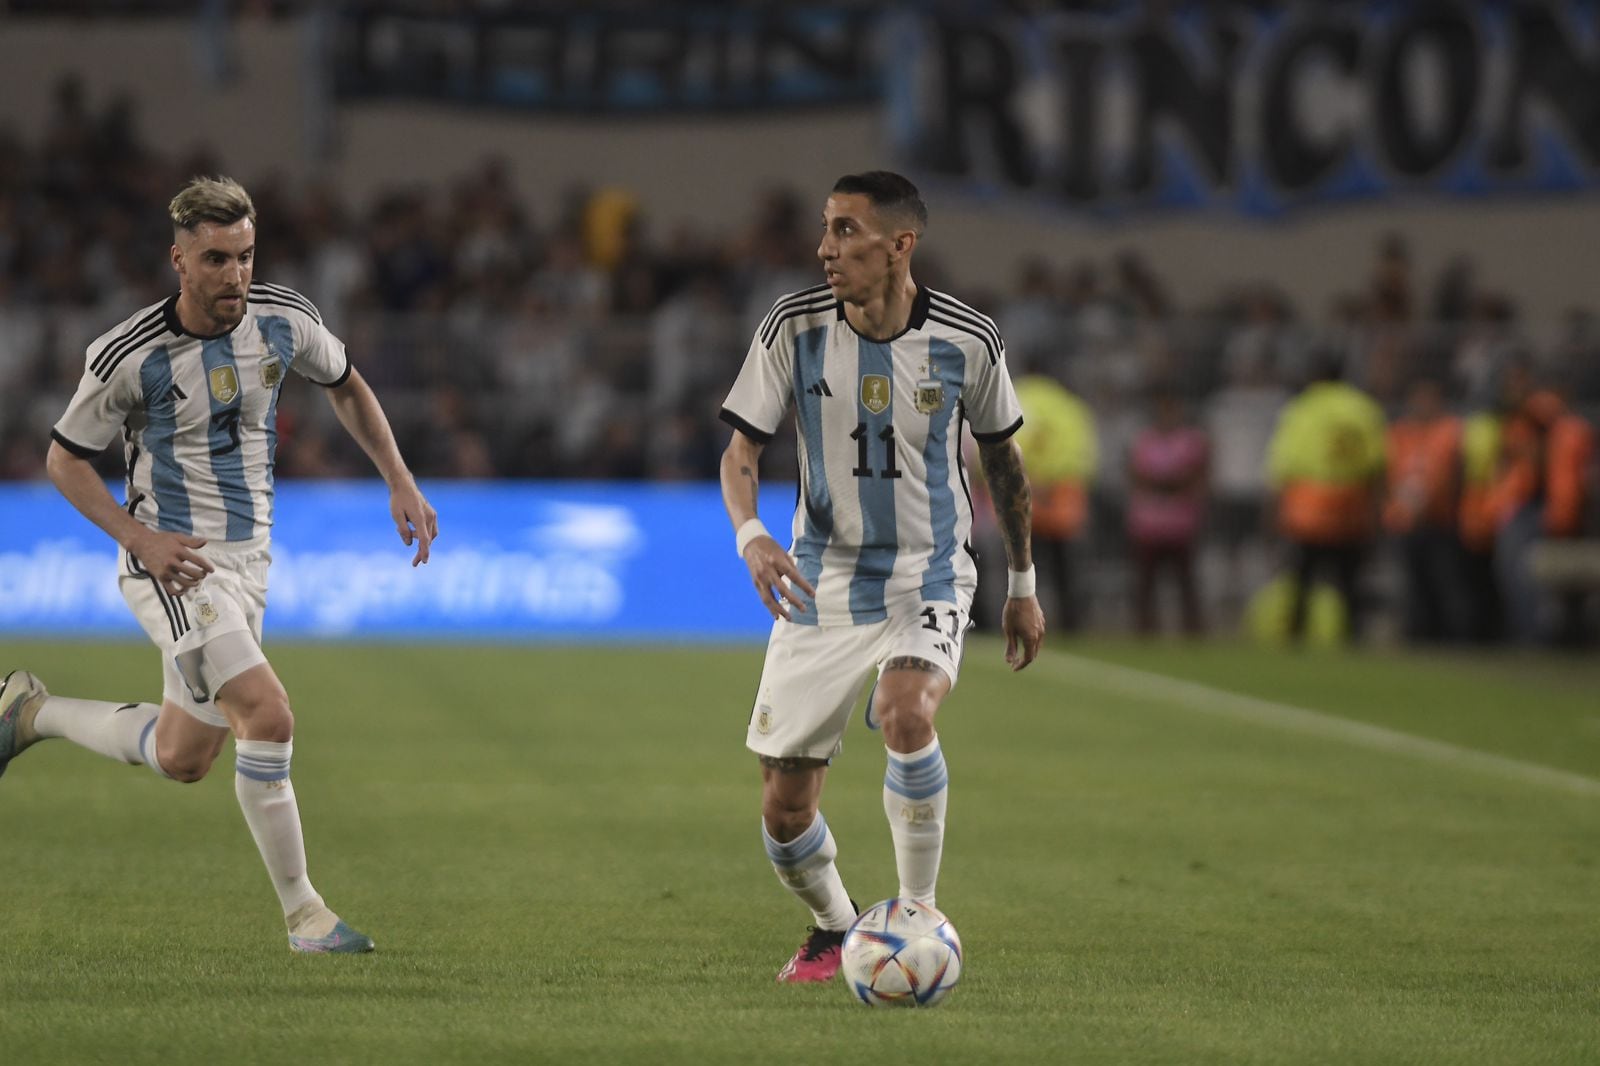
994,354
144,342
286,297
770,335
760,436
134,337
336,382
957,309
998,435
80,450
787,301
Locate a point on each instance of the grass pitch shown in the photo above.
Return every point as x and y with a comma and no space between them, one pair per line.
1361,858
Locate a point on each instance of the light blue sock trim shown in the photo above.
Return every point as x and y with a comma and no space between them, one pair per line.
801,848
263,760
918,778
147,748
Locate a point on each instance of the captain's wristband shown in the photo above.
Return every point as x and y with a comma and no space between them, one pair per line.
1020,583
747,533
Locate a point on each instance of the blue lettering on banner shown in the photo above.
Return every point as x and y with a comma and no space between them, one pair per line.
515,561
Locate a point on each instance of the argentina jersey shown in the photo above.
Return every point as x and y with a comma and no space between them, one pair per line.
198,415
884,516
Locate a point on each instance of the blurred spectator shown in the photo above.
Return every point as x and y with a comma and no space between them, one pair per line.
1057,440
1167,474
1239,420
1540,491
1324,462
1420,512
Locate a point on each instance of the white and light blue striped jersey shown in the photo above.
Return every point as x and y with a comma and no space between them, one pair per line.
884,514
198,415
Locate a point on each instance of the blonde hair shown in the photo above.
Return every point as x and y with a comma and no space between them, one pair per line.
221,201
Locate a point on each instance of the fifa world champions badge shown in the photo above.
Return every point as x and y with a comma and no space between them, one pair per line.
224,384
875,393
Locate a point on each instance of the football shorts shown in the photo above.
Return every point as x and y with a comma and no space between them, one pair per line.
229,600
813,675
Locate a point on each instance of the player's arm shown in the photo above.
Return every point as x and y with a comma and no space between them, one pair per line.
1021,621
362,417
169,557
769,564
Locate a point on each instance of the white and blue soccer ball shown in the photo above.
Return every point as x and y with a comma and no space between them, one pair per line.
901,953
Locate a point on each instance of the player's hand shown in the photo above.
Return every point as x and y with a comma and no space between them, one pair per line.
1023,624
770,567
171,559
414,518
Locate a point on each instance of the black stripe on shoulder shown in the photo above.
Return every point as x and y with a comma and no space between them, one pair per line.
760,436
80,450
336,382
770,335
956,309
260,290
994,353
130,338
785,302
998,435
154,333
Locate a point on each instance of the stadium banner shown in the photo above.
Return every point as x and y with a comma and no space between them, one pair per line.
1248,109
514,560
633,58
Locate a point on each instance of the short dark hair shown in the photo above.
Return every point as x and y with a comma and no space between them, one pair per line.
890,193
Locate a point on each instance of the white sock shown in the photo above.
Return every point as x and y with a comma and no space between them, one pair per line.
121,731
266,797
805,866
916,791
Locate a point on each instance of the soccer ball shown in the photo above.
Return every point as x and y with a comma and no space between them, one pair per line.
901,953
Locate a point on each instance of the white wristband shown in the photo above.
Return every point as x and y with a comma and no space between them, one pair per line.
747,533
1019,583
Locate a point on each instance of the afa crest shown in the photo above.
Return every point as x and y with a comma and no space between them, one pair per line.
875,393
271,372
764,720
930,396
224,384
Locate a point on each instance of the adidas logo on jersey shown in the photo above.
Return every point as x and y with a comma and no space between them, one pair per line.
820,388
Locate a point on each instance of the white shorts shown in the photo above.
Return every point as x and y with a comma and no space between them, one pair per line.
230,600
813,675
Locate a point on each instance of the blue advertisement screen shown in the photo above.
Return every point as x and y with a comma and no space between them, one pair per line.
568,560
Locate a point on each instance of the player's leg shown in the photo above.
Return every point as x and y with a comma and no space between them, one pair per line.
809,684
921,658
258,710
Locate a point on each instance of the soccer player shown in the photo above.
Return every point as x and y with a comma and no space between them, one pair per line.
883,374
192,386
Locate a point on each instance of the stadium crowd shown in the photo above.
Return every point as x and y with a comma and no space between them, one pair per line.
574,340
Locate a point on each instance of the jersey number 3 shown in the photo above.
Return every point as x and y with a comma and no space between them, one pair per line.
864,462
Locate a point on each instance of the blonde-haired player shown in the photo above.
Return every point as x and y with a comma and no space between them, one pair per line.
191,384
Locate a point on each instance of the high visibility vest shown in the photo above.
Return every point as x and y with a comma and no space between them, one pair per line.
1480,456
1424,476
1059,453
1324,457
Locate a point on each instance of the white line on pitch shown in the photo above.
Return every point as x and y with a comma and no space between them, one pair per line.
1194,696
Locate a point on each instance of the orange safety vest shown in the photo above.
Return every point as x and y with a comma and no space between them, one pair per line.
1424,480
1313,512
1059,509
1545,460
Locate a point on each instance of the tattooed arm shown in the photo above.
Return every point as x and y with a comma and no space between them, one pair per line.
1021,621
769,564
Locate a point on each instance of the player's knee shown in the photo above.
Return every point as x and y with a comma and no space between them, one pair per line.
185,767
905,712
267,717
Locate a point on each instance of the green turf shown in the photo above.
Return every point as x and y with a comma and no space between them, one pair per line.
557,852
